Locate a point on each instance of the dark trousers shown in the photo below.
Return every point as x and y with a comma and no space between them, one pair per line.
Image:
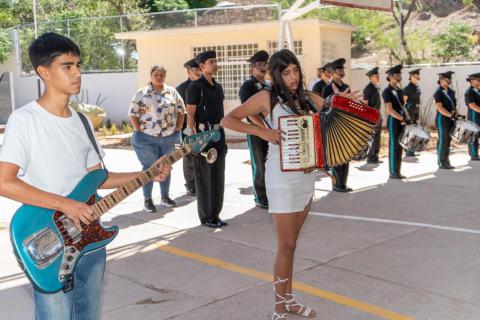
376,144
473,147
210,182
413,111
258,155
444,127
395,150
341,174
188,172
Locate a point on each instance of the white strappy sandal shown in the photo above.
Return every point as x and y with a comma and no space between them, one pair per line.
279,316
303,311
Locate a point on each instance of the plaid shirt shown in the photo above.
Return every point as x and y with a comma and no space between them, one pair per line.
157,112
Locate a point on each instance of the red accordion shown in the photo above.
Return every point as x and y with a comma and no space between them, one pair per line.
329,138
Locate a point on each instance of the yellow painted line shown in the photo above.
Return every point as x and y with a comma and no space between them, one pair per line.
346,301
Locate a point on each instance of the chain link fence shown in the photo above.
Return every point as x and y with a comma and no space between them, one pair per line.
101,52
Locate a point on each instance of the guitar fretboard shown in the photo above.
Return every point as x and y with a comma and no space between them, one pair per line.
112,199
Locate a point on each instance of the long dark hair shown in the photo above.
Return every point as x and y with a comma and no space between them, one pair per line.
279,61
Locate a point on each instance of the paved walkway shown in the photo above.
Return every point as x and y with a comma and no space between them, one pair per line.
389,250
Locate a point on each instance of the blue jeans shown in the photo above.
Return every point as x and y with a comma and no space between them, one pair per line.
83,302
149,149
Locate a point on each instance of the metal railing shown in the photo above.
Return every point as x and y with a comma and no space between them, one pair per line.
101,52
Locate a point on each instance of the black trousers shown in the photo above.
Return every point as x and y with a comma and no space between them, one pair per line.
210,182
444,127
413,111
395,150
341,175
473,147
258,155
376,144
188,172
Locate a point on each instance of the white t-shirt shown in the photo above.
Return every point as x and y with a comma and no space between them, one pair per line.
53,153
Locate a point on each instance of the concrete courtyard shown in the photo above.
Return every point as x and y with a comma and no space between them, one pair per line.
389,250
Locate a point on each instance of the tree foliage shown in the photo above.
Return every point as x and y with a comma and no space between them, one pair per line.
5,46
454,43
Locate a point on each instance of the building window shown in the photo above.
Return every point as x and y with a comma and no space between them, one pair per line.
329,52
297,47
232,65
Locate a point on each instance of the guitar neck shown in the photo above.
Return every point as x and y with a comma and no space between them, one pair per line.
114,198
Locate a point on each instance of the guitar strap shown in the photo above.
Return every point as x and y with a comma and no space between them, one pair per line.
86,124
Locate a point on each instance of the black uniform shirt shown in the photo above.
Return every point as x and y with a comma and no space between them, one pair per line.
209,100
395,97
328,91
250,87
413,92
472,95
319,87
182,89
446,98
371,93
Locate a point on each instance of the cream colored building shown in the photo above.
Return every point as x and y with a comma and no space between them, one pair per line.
316,42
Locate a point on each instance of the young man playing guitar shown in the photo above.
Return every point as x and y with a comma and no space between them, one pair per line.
46,152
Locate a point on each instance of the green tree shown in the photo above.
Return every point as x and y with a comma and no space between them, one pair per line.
5,46
454,43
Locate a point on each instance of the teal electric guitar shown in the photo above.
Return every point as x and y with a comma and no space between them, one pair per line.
46,242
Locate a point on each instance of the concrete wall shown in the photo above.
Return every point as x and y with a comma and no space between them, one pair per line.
118,88
428,84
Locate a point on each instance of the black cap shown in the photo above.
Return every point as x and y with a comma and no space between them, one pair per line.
447,74
338,64
395,69
261,55
475,76
372,72
205,55
326,67
190,64
415,71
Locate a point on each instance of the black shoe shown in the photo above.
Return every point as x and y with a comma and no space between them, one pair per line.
211,223
446,167
475,159
149,206
411,154
374,161
167,202
262,205
191,192
397,176
343,189
221,222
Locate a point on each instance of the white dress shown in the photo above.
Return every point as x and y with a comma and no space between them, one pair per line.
286,191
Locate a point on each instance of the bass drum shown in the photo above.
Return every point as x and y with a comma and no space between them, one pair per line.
465,131
413,138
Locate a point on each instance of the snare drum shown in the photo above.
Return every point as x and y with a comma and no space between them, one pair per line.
465,131
413,138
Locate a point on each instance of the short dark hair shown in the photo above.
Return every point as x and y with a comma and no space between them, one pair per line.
43,50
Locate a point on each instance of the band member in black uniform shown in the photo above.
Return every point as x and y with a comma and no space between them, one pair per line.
193,73
394,103
258,147
326,76
411,99
372,95
446,103
472,100
204,111
336,86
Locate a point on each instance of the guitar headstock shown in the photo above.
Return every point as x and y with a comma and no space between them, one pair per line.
199,141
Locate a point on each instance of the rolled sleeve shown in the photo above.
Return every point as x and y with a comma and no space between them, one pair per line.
180,106
193,94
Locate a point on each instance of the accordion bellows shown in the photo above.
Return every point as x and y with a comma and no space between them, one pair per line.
327,139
